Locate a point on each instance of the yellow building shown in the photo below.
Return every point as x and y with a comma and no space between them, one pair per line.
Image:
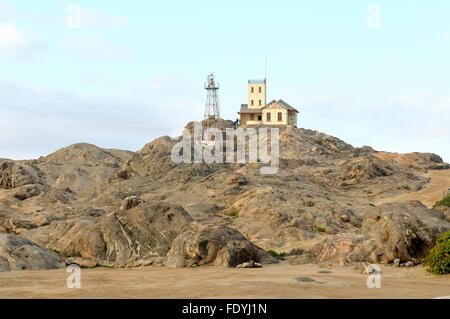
256,94
257,112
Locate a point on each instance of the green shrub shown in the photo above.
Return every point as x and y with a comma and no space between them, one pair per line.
438,261
406,187
56,252
276,255
443,202
320,229
373,205
234,212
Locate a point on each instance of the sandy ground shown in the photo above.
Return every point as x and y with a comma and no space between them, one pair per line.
432,192
272,281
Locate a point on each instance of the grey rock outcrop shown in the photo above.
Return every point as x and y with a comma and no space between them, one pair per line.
13,175
119,208
404,231
17,253
218,245
119,238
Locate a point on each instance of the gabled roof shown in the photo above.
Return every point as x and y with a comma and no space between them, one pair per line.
283,104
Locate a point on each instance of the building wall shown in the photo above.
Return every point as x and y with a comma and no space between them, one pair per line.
292,118
245,119
256,96
274,116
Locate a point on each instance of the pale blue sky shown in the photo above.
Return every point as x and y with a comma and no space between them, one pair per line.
134,70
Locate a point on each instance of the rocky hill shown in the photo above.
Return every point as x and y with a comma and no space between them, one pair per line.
105,207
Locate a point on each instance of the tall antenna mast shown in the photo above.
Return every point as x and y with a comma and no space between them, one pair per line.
265,67
212,98
265,78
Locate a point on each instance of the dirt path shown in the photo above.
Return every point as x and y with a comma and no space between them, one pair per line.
432,192
273,281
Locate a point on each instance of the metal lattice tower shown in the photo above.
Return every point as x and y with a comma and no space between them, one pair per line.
212,98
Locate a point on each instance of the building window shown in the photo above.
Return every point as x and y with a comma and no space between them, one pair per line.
259,88
259,102
251,102
259,117
251,89
268,117
252,117
280,116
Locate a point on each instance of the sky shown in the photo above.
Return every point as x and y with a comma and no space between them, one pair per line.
119,74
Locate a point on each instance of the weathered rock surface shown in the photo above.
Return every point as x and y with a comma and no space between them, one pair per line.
218,245
119,238
17,253
151,230
402,232
13,175
119,208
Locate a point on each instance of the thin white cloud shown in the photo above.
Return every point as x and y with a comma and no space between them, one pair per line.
39,121
7,12
169,92
355,101
90,17
101,79
402,122
16,43
163,84
96,49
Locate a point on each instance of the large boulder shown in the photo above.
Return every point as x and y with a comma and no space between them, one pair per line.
405,231
14,225
17,253
418,160
361,169
148,231
216,245
120,238
13,175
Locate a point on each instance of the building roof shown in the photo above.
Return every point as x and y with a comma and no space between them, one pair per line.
245,109
255,81
283,104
